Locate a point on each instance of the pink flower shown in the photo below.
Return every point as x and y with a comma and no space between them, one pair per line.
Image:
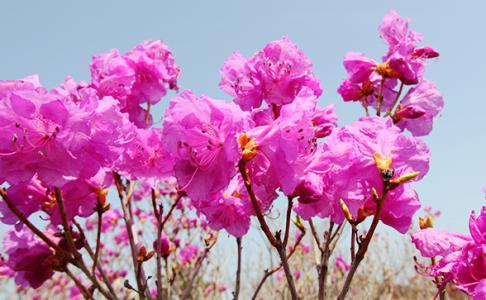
201,135
462,258
142,75
325,120
283,145
275,74
241,81
404,58
434,242
28,198
145,158
231,209
341,264
348,170
165,245
53,136
188,254
425,99
30,258
358,66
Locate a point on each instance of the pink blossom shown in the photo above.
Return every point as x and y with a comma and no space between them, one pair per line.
145,158
275,74
428,100
188,253
404,58
348,171
358,66
165,245
231,209
30,258
201,134
341,264
284,144
142,75
462,258
58,139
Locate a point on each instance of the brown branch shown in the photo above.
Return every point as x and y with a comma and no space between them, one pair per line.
32,227
158,245
363,247
236,292
323,266
287,221
315,235
395,100
380,96
274,240
125,204
98,238
67,228
269,273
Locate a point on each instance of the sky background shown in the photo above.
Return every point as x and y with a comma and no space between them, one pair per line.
57,38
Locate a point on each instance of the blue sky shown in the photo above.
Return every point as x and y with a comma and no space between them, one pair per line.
57,38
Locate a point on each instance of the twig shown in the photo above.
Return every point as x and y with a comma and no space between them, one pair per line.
275,241
353,241
380,96
287,221
236,292
125,203
323,266
395,100
32,227
314,235
363,247
158,244
98,238
269,273
67,229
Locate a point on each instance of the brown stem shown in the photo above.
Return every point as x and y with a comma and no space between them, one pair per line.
353,241
364,102
98,238
31,226
395,100
275,241
236,292
167,272
323,267
67,229
287,221
254,203
87,247
269,273
171,209
158,246
315,235
124,201
380,97
80,264
363,247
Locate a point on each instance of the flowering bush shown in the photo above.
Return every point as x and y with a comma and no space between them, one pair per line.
217,165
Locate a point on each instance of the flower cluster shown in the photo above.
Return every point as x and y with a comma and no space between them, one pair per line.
214,164
375,84
459,258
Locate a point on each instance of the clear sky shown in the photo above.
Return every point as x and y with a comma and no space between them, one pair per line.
57,38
